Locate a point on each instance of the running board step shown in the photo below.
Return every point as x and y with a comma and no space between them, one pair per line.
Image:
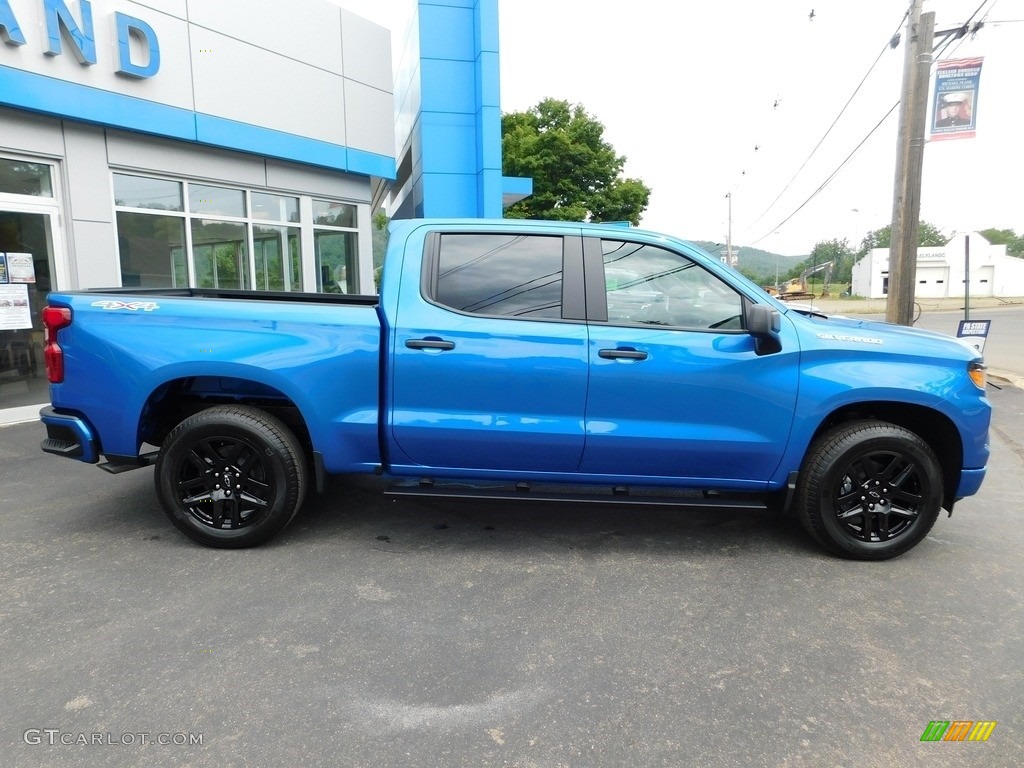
595,495
115,465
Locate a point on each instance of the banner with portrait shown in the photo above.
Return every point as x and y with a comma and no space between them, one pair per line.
955,108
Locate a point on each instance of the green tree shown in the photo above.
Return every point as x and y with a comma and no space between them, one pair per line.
927,235
576,174
836,251
1014,243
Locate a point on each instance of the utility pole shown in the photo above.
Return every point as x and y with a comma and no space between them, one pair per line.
906,204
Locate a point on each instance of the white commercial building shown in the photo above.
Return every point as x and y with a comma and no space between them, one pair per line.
941,270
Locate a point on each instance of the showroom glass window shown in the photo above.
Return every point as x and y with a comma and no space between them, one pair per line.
219,236
151,235
179,233
336,242
277,242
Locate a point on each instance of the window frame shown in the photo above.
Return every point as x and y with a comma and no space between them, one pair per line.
304,228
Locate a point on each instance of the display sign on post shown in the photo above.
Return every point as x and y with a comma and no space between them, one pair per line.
955,109
974,332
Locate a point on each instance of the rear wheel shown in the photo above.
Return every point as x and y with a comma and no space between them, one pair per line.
869,490
231,476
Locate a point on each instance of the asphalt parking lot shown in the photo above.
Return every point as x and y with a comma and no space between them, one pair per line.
382,632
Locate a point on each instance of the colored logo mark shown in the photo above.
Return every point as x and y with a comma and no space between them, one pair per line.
958,730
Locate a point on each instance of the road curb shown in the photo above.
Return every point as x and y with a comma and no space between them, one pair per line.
1004,378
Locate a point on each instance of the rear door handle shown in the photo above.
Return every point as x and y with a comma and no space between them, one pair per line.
429,344
622,354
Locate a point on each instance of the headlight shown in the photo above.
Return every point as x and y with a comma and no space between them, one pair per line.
976,371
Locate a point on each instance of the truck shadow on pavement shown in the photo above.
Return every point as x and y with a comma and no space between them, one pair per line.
353,514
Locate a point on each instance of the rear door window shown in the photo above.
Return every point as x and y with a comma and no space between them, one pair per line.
506,275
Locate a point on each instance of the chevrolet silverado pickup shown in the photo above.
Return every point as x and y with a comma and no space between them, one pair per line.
521,359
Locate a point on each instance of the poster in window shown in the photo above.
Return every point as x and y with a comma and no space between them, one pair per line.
14,311
3,269
20,268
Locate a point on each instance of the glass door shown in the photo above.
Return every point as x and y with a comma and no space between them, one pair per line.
26,276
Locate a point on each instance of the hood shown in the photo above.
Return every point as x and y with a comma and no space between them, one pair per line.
839,332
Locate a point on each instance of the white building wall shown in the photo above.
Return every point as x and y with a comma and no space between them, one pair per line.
940,270
869,274
240,62
289,98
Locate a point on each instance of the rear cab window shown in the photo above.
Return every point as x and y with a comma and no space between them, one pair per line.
499,274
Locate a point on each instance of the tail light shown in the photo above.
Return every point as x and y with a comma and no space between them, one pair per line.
55,318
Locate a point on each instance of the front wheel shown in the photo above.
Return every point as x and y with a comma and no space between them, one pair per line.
230,476
869,490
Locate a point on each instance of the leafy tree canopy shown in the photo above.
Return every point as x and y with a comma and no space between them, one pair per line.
927,235
835,250
1014,243
576,174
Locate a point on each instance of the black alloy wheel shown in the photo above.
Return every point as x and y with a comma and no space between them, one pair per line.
870,490
230,476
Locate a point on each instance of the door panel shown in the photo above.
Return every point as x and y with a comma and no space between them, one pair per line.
478,383
700,405
670,395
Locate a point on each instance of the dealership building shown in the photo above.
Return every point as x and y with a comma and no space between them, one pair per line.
941,270
231,145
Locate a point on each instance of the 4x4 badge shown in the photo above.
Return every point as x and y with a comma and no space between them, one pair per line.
131,306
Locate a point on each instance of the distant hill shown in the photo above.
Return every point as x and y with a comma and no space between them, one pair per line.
754,260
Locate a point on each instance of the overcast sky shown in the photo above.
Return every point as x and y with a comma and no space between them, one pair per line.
705,99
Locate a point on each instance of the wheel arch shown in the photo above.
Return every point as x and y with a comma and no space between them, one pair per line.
177,399
932,426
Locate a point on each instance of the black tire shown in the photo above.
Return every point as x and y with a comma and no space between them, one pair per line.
228,446
869,490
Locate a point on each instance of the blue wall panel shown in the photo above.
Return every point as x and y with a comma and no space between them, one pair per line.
489,152
441,33
448,86
443,193
460,125
452,139
60,98
63,99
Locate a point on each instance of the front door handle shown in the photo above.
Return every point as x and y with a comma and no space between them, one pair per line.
432,343
622,354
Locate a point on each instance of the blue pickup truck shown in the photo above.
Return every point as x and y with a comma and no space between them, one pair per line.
525,359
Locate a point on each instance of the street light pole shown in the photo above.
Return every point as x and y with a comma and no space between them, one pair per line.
728,234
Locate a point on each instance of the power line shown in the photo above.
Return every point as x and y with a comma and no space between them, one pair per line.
949,41
960,33
842,111
830,177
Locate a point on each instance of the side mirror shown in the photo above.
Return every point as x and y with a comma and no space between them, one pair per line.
763,323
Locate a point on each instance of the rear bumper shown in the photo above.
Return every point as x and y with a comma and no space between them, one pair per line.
970,482
68,436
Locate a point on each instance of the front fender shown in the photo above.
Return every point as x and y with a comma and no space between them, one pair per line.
829,386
